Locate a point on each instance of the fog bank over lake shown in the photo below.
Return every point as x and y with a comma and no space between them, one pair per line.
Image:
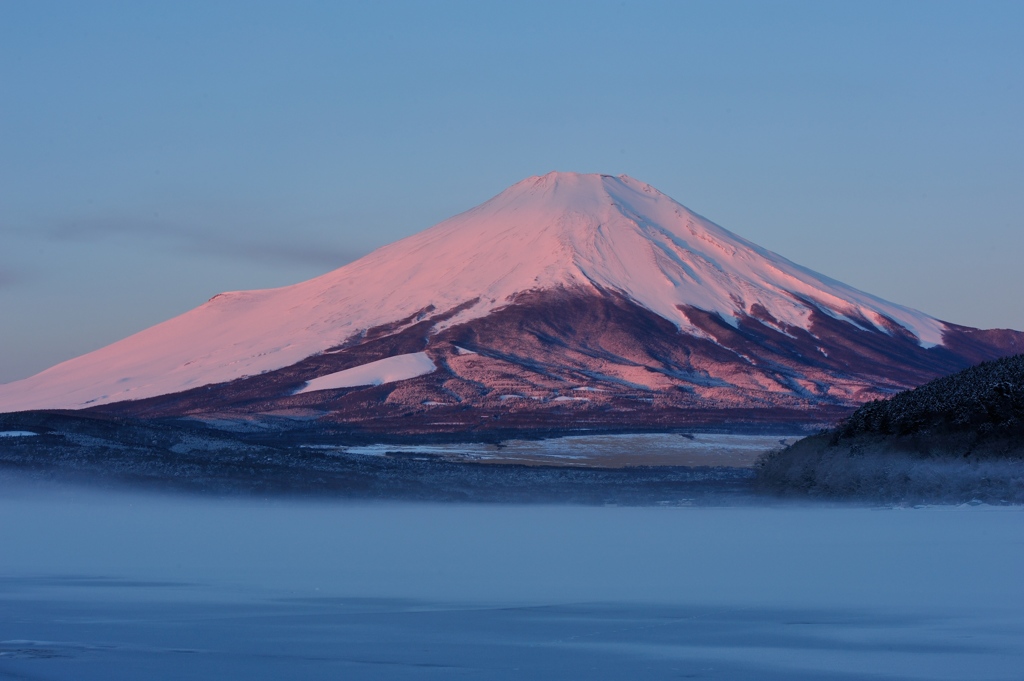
111,585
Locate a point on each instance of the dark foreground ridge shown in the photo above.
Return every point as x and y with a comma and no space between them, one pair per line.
956,438
193,458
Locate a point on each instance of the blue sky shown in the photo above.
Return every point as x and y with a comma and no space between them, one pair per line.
155,154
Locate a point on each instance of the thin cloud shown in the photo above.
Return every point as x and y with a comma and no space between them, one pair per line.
241,244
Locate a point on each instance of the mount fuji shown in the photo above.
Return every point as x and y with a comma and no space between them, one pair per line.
567,301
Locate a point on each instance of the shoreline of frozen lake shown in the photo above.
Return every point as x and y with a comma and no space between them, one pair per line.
597,450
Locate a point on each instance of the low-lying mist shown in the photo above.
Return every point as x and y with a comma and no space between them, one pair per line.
507,553
110,584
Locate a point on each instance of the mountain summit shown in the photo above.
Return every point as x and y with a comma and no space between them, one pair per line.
566,297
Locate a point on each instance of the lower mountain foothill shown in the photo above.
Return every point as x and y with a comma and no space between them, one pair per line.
955,439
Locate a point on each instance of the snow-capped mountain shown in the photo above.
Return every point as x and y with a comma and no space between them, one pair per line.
591,296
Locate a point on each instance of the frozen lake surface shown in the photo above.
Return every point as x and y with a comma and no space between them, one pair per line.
124,586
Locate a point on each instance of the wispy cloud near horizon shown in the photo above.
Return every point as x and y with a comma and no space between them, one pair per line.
239,242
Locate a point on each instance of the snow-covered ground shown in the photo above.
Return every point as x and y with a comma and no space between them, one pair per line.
647,449
388,370
16,433
118,586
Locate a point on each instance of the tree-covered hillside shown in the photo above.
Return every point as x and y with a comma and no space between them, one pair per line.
986,400
956,439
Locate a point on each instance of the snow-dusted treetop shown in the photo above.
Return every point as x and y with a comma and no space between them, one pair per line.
560,230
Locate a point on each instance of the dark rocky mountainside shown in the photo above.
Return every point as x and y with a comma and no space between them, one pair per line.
560,360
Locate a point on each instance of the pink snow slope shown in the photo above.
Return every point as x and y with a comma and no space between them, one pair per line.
561,230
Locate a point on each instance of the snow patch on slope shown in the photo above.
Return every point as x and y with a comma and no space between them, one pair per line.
388,370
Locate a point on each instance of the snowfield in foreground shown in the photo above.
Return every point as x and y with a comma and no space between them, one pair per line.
602,450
